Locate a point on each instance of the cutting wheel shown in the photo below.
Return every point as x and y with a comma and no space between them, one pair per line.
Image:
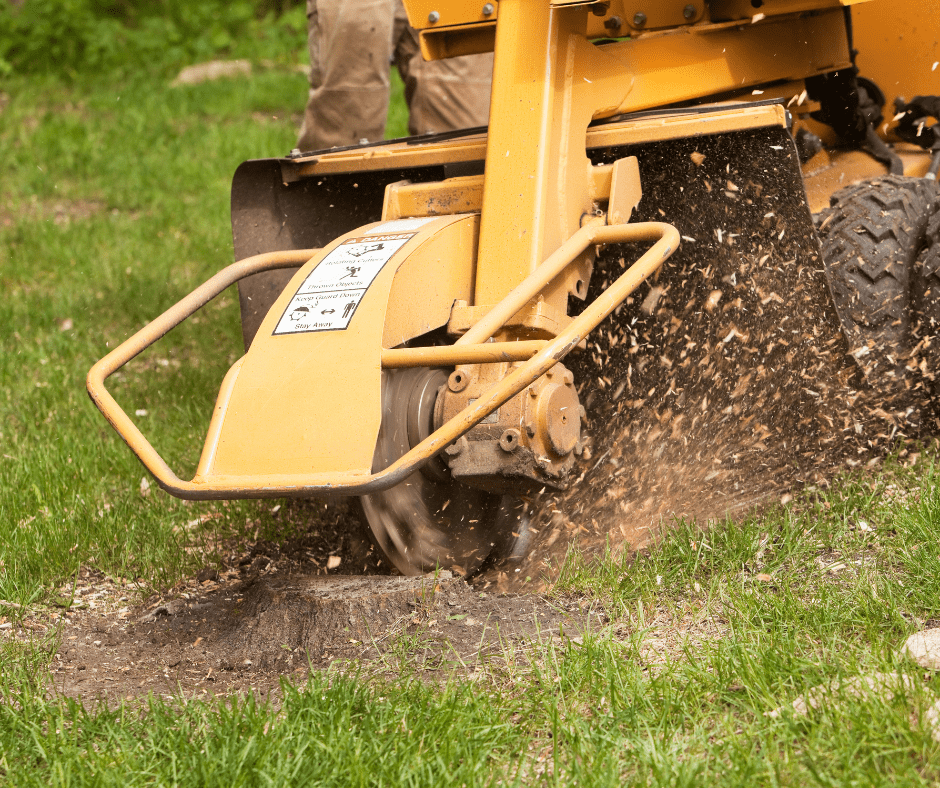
429,520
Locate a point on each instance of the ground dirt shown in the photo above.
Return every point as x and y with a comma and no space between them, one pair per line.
272,616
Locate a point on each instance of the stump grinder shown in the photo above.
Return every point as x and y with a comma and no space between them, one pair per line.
614,291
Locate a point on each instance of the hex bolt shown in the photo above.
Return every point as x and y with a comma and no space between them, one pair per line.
434,17
509,440
488,9
457,381
568,377
639,19
614,23
689,11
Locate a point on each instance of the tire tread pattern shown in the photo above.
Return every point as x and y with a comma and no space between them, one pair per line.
872,234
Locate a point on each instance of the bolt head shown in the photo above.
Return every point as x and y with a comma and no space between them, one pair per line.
689,11
433,17
639,19
509,441
488,9
458,381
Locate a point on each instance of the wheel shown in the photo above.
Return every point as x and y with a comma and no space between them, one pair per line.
926,289
429,520
871,237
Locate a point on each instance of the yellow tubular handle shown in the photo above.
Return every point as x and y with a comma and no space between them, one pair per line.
154,331
666,239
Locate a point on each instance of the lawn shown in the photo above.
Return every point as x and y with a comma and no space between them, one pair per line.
114,205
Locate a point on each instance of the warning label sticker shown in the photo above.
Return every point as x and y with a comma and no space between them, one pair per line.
329,296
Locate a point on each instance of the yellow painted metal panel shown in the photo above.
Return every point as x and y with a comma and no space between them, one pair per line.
290,411
746,9
710,60
898,46
438,273
627,132
443,13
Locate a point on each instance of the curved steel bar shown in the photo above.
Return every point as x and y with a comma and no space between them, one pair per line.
159,327
452,355
666,239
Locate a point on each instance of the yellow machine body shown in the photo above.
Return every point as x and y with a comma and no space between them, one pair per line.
480,239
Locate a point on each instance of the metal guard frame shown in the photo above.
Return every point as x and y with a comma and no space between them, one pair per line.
473,347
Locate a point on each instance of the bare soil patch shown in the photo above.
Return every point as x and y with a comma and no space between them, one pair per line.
241,632
59,212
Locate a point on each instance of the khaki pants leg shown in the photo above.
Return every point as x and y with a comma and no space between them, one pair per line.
442,95
350,45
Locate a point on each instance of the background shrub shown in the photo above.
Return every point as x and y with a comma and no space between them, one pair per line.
70,37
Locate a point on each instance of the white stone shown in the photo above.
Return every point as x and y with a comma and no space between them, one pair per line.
884,684
932,720
214,69
924,648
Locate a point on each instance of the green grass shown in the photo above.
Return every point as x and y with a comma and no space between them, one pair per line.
630,704
114,205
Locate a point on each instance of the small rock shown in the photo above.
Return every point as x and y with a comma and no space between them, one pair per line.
924,648
7,625
169,609
207,573
214,69
333,561
883,684
144,486
260,563
932,720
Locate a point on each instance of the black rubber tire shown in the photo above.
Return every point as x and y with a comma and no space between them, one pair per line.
872,235
926,290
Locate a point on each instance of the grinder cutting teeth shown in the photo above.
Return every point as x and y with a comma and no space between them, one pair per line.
451,512
429,519
405,305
